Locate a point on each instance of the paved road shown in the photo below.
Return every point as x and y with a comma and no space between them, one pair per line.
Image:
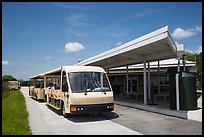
149,123
123,121
46,121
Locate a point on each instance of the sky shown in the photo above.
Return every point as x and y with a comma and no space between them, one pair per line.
41,36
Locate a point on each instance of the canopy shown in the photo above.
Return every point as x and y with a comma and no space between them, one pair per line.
39,76
157,45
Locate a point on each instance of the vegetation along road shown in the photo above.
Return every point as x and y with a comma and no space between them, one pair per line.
14,114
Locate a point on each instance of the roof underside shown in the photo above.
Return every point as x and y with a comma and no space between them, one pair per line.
163,63
157,45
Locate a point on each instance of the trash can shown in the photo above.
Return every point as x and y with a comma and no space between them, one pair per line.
187,90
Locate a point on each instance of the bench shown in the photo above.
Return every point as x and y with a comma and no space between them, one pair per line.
161,94
135,94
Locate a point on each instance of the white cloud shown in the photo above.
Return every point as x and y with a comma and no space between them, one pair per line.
180,33
5,62
198,28
112,31
141,14
66,6
199,50
76,33
48,58
73,47
77,20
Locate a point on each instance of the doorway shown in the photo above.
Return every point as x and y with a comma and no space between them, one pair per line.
132,84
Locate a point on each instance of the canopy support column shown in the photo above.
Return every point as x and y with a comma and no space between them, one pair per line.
149,82
158,70
35,81
145,83
127,79
184,62
178,64
45,82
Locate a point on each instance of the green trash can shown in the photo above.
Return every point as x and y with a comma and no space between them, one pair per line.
187,89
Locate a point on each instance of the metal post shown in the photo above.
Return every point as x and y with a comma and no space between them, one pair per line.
177,85
145,83
177,92
158,70
149,82
179,64
44,81
127,79
35,81
184,62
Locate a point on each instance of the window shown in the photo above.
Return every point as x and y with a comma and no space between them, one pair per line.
64,83
164,80
89,82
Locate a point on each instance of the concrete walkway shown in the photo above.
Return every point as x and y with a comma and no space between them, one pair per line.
196,114
45,121
162,109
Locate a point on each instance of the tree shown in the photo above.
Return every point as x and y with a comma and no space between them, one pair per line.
198,59
5,87
24,83
5,82
8,78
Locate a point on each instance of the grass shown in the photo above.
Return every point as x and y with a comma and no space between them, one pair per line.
14,114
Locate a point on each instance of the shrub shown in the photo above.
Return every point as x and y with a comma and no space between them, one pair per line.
5,87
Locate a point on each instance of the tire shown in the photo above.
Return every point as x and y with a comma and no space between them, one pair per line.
100,114
45,98
63,111
65,115
97,114
37,97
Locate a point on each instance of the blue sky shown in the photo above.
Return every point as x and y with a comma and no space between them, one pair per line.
40,36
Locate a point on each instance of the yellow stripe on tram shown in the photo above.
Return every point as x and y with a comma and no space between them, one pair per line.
33,97
52,106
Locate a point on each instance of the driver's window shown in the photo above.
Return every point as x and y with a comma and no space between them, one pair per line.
64,83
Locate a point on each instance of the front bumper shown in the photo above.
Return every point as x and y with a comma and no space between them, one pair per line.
93,108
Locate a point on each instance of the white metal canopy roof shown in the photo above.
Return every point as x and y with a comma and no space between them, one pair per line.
39,76
57,70
162,64
157,45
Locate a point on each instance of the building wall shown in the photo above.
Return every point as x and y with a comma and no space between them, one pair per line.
118,81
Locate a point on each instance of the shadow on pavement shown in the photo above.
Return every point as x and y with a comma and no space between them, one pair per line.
87,117
39,101
58,112
92,117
